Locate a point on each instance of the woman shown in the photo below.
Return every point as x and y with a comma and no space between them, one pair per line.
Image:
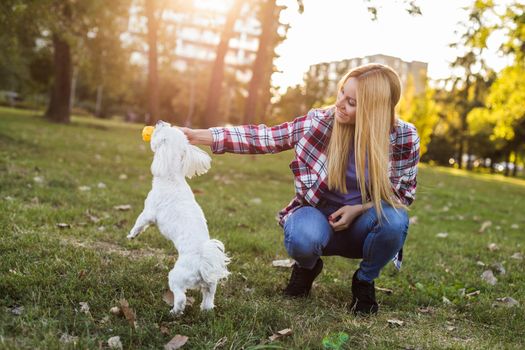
355,173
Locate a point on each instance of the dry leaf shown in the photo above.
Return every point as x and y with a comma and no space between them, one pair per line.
283,263
84,188
385,290
123,177
128,312
485,225
197,191
480,263
220,343
413,220
168,298
63,225
66,338
256,200
514,226
38,179
395,322
450,328
35,201
488,276
164,330
92,218
122,207
115,343
84,307
115,310
17,310
101,185
472,294
280,334
176,342
493,247
517,256
445,300
426,310
442,235
508,301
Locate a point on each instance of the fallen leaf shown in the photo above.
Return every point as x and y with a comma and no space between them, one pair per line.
413,220
164,330
256,200
508,301
442,235
176,342
445,208
101,185
115,343
63,225
168,298
17,310
84,307
38,179
450,328
484,226
385,290
283,263
280,334
197,191
426,310
128,312
445,300
9,198
472,294
122,207
220,343
104,319
395,322
514,226
123,177
84,188
488,276
493,247
499,268
115,310
66,338
35,201
92,217
517,256
480,263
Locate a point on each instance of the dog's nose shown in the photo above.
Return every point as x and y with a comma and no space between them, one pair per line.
160,122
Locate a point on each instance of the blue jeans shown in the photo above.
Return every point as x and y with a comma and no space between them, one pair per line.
308,235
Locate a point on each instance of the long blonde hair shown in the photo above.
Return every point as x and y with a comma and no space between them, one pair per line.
378,92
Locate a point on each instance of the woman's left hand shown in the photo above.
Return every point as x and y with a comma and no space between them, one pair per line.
344,216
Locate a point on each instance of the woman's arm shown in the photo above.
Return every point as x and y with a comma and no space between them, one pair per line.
251,139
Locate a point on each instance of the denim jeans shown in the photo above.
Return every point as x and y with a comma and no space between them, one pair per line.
308,235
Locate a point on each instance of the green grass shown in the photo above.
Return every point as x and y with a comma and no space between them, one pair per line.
49,270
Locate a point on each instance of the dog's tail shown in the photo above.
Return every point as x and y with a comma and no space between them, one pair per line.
213,261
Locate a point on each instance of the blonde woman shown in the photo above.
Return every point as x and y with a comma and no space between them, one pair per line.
355,173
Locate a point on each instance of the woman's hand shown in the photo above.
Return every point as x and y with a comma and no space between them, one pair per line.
343,217
198,136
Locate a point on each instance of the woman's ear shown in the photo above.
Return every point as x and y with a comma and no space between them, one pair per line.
195,161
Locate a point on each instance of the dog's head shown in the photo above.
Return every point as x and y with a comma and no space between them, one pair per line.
174,154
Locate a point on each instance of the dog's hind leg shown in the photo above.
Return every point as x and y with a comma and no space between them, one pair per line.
208,296
177,286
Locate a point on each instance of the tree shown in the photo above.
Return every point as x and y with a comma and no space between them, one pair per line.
211,114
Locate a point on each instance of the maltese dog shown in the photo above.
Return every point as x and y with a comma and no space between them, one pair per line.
172,207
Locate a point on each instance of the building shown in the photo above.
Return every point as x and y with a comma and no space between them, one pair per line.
331,72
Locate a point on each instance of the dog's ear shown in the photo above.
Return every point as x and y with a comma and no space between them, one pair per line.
195,161
162,165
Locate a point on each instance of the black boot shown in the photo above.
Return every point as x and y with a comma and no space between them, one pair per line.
363,297
301,280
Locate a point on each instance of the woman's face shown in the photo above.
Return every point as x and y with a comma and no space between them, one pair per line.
346,102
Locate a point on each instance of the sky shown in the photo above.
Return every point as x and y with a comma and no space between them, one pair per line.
333,30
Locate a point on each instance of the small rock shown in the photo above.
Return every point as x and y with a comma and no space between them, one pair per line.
488,276
115,343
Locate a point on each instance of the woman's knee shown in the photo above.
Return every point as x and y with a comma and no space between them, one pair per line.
306,232
393,226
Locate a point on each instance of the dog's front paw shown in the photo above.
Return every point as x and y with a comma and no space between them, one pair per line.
175,312
133,233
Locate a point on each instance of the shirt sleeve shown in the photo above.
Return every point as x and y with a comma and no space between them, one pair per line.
258,139
407,190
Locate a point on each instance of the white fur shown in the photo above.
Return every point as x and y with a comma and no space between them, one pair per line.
172,207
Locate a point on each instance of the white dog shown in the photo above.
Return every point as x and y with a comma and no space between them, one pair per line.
172,207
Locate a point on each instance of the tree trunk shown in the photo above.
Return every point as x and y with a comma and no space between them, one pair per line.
260,64
507,162
98,105
515,170
153,79
211,114
58,109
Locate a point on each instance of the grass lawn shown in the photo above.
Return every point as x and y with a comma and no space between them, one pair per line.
76,174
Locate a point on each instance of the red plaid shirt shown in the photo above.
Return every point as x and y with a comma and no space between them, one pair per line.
309,135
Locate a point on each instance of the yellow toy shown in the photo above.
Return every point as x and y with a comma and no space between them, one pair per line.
146,133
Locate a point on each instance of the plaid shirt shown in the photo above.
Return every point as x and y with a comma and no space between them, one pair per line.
309,136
